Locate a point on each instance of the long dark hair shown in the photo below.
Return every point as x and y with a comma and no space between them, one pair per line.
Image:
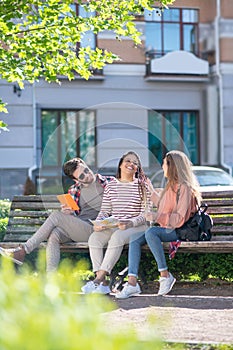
140,175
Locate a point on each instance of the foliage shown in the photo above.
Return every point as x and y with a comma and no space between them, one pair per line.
3,126
186,266
42,39
208,347
3,225
46,312
4,210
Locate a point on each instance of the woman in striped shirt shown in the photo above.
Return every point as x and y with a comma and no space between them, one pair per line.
124,199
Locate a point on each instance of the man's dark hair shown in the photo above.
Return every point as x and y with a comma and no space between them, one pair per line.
71,165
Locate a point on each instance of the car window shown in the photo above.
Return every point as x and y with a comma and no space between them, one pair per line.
157,179
213,178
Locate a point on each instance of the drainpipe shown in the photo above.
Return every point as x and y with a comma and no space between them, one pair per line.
220,85
34,166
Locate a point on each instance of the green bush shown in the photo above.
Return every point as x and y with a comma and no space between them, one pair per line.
46,312
185,266
4,208
3,225
4,211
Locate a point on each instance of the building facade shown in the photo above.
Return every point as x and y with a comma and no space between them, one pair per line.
174,91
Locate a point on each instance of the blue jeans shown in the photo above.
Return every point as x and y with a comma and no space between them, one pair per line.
154,237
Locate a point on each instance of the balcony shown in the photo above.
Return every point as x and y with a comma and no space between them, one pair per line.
176,65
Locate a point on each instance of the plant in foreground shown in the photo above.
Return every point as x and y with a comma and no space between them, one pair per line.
47,312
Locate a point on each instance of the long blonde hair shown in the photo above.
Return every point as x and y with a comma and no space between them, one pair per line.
179,171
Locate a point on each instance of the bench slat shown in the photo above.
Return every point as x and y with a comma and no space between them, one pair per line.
32,228
20,230
222,229
36,205
217,202
220,210
14,237
31,214
36,198
217,194
26,221
185,247
223,220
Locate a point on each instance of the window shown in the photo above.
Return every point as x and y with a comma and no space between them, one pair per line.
67,134
173,130
171,30
64,134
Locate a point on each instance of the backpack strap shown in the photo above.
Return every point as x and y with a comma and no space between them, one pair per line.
178,195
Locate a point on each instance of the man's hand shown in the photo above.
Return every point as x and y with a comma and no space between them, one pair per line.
66,210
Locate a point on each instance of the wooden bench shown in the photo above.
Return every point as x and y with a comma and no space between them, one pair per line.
27,214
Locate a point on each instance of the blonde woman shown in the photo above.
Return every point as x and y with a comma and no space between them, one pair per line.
176,204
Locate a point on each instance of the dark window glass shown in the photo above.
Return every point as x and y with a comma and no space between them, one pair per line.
49,127
67,134
173,130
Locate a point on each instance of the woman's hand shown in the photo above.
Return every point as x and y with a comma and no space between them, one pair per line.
99,228
124,224
66,210
150,186
150,216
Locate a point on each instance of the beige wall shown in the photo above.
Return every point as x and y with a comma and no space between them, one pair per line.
227,8
226,45
125,49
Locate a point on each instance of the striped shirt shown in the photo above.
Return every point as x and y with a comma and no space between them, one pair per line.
123,201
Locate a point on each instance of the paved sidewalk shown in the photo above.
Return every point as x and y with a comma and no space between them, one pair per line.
176,318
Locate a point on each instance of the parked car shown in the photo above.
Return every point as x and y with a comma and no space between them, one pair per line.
209,178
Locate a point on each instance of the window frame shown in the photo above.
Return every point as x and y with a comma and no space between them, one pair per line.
153,53
60,161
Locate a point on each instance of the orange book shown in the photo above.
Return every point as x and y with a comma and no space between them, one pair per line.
67,199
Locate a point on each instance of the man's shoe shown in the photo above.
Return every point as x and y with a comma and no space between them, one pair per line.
15,254
89,287
102,289
166,284
129,291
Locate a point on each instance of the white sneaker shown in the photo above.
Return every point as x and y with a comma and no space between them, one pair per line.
129,291
102,289
166,284
89,287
